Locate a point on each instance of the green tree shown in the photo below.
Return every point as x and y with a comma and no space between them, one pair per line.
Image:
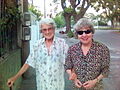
35,11
59,19
111,10
78,8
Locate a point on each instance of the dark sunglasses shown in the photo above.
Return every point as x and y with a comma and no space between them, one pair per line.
86,32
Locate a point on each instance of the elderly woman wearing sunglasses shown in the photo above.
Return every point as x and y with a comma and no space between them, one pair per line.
89,59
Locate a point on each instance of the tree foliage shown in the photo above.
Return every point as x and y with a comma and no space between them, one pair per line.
11,17
75,9
35,11
78,8
111,9
59,19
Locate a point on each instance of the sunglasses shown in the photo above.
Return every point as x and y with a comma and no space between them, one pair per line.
86,32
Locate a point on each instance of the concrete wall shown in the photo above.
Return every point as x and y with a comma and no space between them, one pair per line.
9,66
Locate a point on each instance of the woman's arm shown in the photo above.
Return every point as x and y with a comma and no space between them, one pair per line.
11,80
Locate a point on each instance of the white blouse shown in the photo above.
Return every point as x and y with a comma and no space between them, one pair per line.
49,66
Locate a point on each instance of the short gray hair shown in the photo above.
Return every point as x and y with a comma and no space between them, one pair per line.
84,22
48,21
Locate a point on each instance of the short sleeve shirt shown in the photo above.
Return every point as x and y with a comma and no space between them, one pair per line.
49,66
88,67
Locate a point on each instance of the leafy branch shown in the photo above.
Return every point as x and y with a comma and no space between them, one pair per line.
12,15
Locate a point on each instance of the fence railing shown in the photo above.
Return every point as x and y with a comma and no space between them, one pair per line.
8,35
8,40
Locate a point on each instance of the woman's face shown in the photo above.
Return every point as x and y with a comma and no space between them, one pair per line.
85,35
48,31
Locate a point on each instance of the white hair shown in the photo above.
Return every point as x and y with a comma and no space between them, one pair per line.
48,21
84,22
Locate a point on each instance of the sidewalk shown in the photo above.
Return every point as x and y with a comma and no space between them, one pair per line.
29,80
111,83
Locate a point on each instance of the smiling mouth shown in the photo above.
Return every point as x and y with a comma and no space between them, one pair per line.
85,39
48,34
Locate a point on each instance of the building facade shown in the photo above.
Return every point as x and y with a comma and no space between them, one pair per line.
12,45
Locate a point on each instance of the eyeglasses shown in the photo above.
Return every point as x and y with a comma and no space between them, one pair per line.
49,29
86,32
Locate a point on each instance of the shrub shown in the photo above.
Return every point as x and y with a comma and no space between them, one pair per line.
70,34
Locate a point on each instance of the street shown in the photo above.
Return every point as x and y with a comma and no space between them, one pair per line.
112,40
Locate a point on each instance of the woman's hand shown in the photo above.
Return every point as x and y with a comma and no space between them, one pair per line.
11,81
90,84
77,83
72,76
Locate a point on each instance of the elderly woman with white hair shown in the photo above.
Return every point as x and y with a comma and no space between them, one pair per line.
89,59
48,58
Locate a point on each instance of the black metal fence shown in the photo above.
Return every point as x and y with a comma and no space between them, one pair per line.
8,41
8,35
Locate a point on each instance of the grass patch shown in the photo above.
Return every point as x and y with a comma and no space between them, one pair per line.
107,28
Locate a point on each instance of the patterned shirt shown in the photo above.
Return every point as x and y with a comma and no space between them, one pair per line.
49,66
88,67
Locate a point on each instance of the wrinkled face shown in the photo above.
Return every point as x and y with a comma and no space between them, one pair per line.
48,31
85,35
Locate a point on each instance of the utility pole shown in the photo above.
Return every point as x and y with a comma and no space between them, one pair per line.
44,8
25,43
32,2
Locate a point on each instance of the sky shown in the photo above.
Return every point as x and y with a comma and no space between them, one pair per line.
49,9
39,4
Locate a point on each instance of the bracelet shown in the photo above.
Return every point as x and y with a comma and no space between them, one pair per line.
97,80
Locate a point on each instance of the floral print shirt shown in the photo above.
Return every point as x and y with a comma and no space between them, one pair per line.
88,67
49,65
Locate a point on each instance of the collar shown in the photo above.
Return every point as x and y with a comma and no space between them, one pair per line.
54,40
